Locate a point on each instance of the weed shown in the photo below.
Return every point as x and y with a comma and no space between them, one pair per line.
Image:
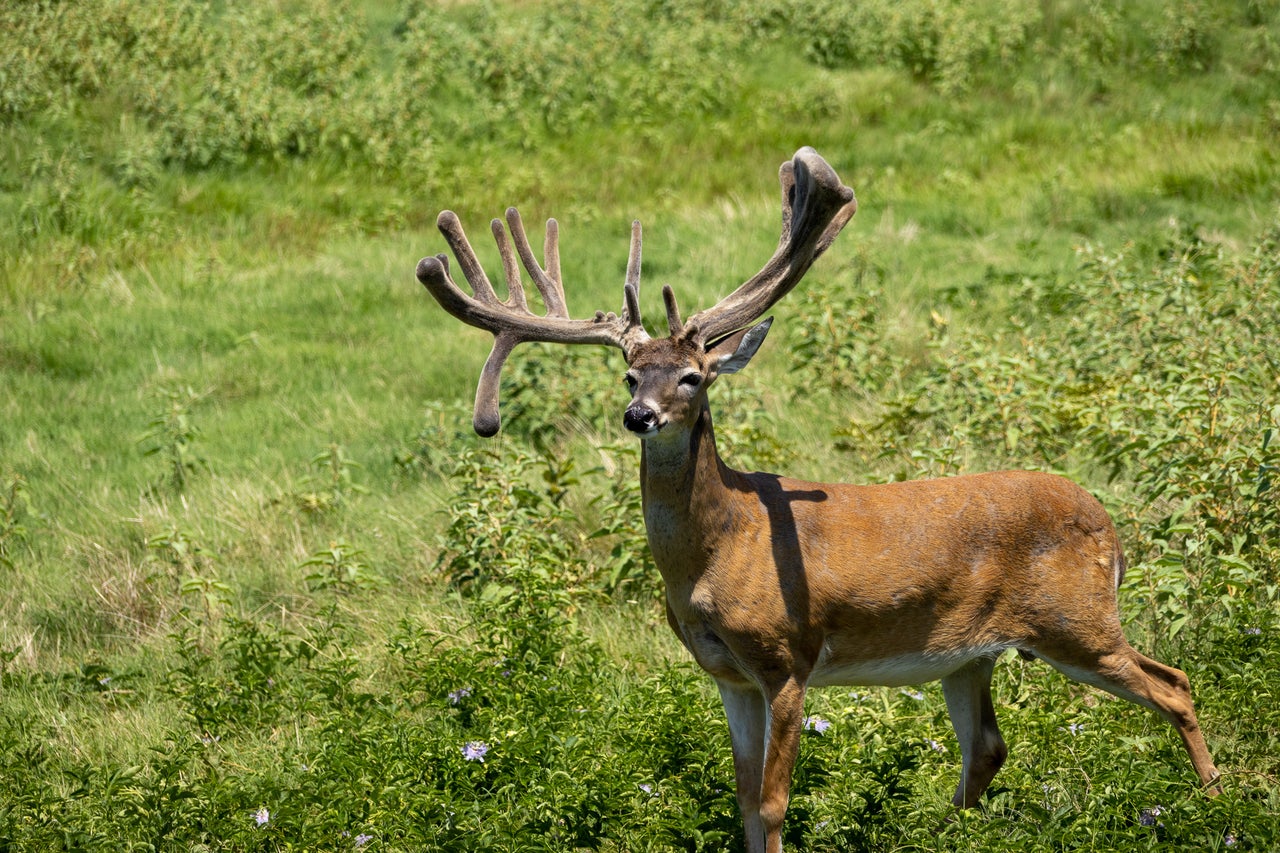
171,434
14,510
191,569
628,571
336,483
340,567
432,448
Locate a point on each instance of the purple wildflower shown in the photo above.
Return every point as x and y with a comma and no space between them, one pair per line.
817,724
362,839
475,751
261,816
1148,817
458,695
914,694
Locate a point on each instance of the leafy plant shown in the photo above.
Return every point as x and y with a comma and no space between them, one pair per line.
1137,372
628,571
336,483
171,434
432,448
13,513
500,521
944,42
340,567
838,341
191,568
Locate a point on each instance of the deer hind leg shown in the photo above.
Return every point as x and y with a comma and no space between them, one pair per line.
1130,675
973,716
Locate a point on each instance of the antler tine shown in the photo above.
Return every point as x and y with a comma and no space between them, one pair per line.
551,255
451,228
816,205
548,280
674,325
511,322
633,257
511,269
787,181
631,287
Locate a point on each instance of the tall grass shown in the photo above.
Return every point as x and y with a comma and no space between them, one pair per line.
263,590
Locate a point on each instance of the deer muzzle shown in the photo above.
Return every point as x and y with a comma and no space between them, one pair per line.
640,419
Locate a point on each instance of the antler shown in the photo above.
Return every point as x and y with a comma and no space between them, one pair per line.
816,205
510,320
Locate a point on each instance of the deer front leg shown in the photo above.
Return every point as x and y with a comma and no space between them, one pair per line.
786,719
765,732
745,708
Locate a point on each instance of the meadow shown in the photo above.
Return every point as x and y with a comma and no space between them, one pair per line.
263,589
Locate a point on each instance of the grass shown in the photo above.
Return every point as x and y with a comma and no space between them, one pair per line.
1063,258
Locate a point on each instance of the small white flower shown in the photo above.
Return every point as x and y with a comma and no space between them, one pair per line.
261,816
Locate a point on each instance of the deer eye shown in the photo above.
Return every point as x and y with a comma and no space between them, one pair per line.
691,380
631,382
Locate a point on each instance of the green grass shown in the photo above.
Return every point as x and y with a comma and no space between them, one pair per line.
1064,258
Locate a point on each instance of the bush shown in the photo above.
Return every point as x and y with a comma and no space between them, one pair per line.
1159,376
945,42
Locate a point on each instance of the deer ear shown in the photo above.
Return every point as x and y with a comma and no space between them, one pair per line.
732,352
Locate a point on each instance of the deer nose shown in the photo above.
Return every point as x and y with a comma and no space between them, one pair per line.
639,418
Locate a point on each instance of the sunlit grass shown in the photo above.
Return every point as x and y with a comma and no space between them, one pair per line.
248,307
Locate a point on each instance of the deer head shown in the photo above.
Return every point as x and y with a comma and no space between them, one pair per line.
815,207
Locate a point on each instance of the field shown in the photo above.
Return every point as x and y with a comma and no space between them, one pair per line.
263,589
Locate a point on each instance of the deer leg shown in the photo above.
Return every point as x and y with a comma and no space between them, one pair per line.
973,716
1130,675
745,707
785,722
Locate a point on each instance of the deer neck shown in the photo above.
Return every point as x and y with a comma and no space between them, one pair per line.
689,496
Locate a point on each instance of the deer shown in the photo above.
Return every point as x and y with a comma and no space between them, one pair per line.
776,585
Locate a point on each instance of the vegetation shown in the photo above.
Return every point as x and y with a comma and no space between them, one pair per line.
264,591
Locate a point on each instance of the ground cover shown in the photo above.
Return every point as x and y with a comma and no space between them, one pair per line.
264,591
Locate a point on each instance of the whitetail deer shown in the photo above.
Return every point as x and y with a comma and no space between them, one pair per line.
776,585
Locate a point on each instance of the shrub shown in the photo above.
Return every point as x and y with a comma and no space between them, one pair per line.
944,42
1159,377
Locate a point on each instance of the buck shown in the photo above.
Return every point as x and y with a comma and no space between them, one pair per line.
777,585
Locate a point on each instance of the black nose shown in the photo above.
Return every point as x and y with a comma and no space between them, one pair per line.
639,418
